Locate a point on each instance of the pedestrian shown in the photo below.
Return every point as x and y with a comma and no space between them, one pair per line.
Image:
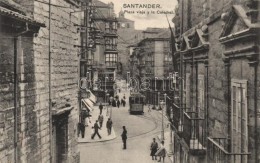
81,129
161,152
109,126
100,108
123,102
100,120
96,128
124,137
114,103
124,97
149,108
154,148
110,100
118,103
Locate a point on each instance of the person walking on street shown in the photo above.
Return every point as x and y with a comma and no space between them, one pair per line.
100,120
161,152
124,137
109,126
96,128
118,103
149,108
123,102
124,97
100,108
154,148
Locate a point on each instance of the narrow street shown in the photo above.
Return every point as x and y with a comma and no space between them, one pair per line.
141,129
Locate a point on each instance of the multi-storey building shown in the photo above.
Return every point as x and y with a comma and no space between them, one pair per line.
127,36
152,62
216,113
100,62
38,85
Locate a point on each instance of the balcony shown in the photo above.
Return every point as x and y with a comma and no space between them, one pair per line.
176,114
141,64
111,64
108,85
87,61
194,133
110,47
218,153
109,32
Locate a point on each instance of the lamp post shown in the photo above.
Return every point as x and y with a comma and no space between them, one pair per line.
158,102
105,90
107,105
127,79
163,104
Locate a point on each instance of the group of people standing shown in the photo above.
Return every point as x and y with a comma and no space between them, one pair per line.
115,102
99,124
157,150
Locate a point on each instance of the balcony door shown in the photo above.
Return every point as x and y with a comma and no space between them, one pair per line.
239,120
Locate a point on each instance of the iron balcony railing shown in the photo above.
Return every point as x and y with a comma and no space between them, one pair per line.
194,131
174,116
111,64
218,153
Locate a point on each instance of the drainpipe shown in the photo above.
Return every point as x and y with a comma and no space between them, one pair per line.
16,82
50,101
206,99
15,98
227,65
256,113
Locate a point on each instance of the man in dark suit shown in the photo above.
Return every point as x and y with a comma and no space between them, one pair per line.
124,137
96,128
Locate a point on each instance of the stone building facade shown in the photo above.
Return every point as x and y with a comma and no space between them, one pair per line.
127,36
217,107
100,64
152,63
39,104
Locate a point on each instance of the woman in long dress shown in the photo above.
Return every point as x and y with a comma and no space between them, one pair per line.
161,152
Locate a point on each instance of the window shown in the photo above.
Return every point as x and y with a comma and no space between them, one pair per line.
111,59
201,96
111,43
114,26
187,90
107,25
239,119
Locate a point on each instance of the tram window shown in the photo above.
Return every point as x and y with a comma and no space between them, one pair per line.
132,100
141,100
137,100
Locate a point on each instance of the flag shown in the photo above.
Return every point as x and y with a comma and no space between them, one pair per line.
173,47
172,39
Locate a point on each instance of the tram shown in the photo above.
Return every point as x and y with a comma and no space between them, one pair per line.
136,103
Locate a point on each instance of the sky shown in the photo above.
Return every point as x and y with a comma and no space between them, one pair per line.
147,18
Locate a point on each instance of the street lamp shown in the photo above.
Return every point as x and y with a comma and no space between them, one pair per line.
105,90
128,79
107,105
163,104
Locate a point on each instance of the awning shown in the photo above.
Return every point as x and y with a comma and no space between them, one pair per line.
86,104
86,101
92,97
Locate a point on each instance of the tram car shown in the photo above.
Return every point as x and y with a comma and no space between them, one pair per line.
136,103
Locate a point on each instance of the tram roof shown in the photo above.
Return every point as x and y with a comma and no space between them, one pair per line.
137,94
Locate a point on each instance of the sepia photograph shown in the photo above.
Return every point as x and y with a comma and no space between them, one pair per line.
129,81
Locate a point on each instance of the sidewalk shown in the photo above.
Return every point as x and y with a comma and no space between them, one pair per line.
167,139
102,132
